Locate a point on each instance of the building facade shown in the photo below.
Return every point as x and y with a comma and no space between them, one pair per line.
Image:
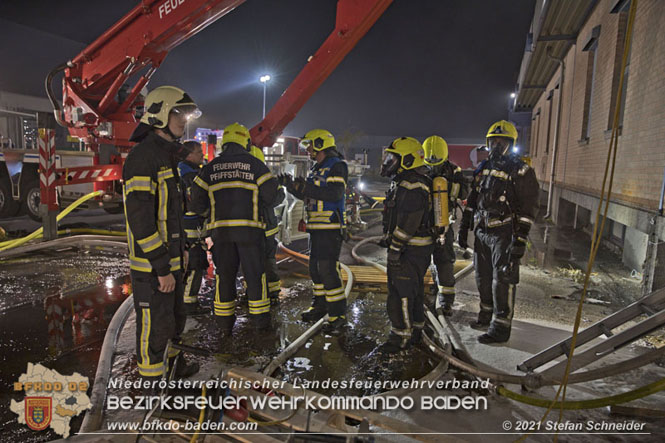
572,80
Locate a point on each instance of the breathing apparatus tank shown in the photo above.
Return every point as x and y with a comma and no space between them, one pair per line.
440,203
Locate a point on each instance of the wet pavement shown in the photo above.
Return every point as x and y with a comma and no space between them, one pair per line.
54,309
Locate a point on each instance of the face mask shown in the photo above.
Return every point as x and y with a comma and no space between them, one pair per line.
390,164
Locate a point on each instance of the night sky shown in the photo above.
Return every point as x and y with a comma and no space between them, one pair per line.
427,66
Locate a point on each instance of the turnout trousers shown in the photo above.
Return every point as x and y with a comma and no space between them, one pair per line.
274,283
497,297
198,264
444,261
159,317
325,272
228,256
406,294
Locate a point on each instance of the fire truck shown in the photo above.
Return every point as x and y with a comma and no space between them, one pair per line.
103,85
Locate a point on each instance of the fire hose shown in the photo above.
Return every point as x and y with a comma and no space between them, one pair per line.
533,380
20,241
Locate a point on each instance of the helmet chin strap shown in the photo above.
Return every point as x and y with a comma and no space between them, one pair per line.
171,134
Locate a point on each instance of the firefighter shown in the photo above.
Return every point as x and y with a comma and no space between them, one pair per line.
324,193
436,156
232,189
155,234
503,202
407,227
195,232
268,216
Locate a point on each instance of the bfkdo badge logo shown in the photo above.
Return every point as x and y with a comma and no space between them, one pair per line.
38,412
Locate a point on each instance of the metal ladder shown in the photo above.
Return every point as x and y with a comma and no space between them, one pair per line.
653,305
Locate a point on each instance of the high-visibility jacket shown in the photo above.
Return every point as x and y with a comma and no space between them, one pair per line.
153,206
325,194
233,188
408,217
193,223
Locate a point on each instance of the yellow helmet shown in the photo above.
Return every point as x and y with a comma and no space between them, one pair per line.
502,128
162,100
258,153
436,150
405,153
237,133
318,139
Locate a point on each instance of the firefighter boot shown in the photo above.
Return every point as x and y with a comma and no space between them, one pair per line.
183,368
335,325
225,324
261,322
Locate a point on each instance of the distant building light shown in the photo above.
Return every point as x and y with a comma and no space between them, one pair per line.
512,95
280,140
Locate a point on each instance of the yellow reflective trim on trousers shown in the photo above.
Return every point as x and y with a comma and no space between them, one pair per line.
231,223
447,290
189,298
150,243
405,313
273,285
263,178
201,183
145,368
257,311
334,298
420,241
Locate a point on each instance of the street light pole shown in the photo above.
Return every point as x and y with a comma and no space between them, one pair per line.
264,79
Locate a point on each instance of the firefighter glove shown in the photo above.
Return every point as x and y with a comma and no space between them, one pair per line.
285,180
517,248
385,241
509,274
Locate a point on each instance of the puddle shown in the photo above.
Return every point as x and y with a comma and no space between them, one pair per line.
54,309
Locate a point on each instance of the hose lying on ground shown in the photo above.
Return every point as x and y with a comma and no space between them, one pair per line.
93,418
20,241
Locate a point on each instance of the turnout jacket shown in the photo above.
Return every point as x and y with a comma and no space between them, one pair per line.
325,194
504,192
232,189
407,217
153,206
193,223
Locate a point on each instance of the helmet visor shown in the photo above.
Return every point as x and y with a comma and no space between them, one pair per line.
306,143
389,164
190,112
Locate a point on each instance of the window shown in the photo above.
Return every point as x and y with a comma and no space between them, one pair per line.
621,9
590,47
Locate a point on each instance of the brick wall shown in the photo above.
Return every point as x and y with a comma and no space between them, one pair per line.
641,155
